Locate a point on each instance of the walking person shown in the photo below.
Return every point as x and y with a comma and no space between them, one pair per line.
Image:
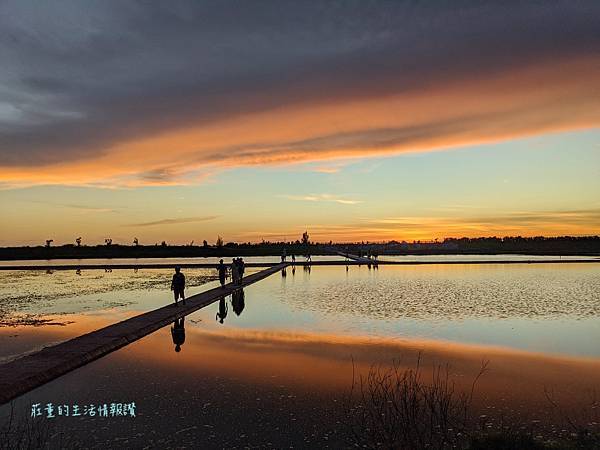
242,269
222,269
178,286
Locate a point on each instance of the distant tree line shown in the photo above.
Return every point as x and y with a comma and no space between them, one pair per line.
510,244
564,245
160,250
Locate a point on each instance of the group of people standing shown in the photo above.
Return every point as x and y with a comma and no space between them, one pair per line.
284,257
237,270
238,267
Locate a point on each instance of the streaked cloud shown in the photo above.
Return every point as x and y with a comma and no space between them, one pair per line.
91,209
78,207
87,100
174,221
322,198
327,169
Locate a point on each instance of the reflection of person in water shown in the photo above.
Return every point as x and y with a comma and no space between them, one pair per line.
222,314
178,334
238,301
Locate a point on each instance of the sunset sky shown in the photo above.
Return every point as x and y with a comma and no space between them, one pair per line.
355,120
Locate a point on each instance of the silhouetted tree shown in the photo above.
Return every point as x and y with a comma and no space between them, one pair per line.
219,242
48,242
108,241
204,243
163,244
135,241
78,241
305,238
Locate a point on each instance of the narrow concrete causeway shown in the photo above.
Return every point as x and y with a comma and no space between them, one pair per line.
24,374
359,259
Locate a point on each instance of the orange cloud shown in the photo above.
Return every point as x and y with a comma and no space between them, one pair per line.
548,97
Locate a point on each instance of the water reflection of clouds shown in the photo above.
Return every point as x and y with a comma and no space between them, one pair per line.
549,308
326,361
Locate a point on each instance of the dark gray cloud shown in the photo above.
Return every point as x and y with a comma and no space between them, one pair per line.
77,76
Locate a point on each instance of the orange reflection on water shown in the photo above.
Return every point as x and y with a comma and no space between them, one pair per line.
19,338
327,362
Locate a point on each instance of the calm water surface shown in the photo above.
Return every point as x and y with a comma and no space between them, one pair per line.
501,257
173,261
544,308
551,308
271,366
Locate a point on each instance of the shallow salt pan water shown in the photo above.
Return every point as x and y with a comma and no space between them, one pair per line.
276,368
173,261
550,308
500,257
451,293
39,308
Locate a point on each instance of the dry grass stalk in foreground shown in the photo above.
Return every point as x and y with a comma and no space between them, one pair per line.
396,408
23,433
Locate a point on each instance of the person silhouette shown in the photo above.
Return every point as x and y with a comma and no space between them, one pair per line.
222,269
235,271
242,269
178,334
222,314
238,301
178,285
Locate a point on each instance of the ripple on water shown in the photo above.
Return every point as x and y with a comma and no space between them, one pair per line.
432,293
